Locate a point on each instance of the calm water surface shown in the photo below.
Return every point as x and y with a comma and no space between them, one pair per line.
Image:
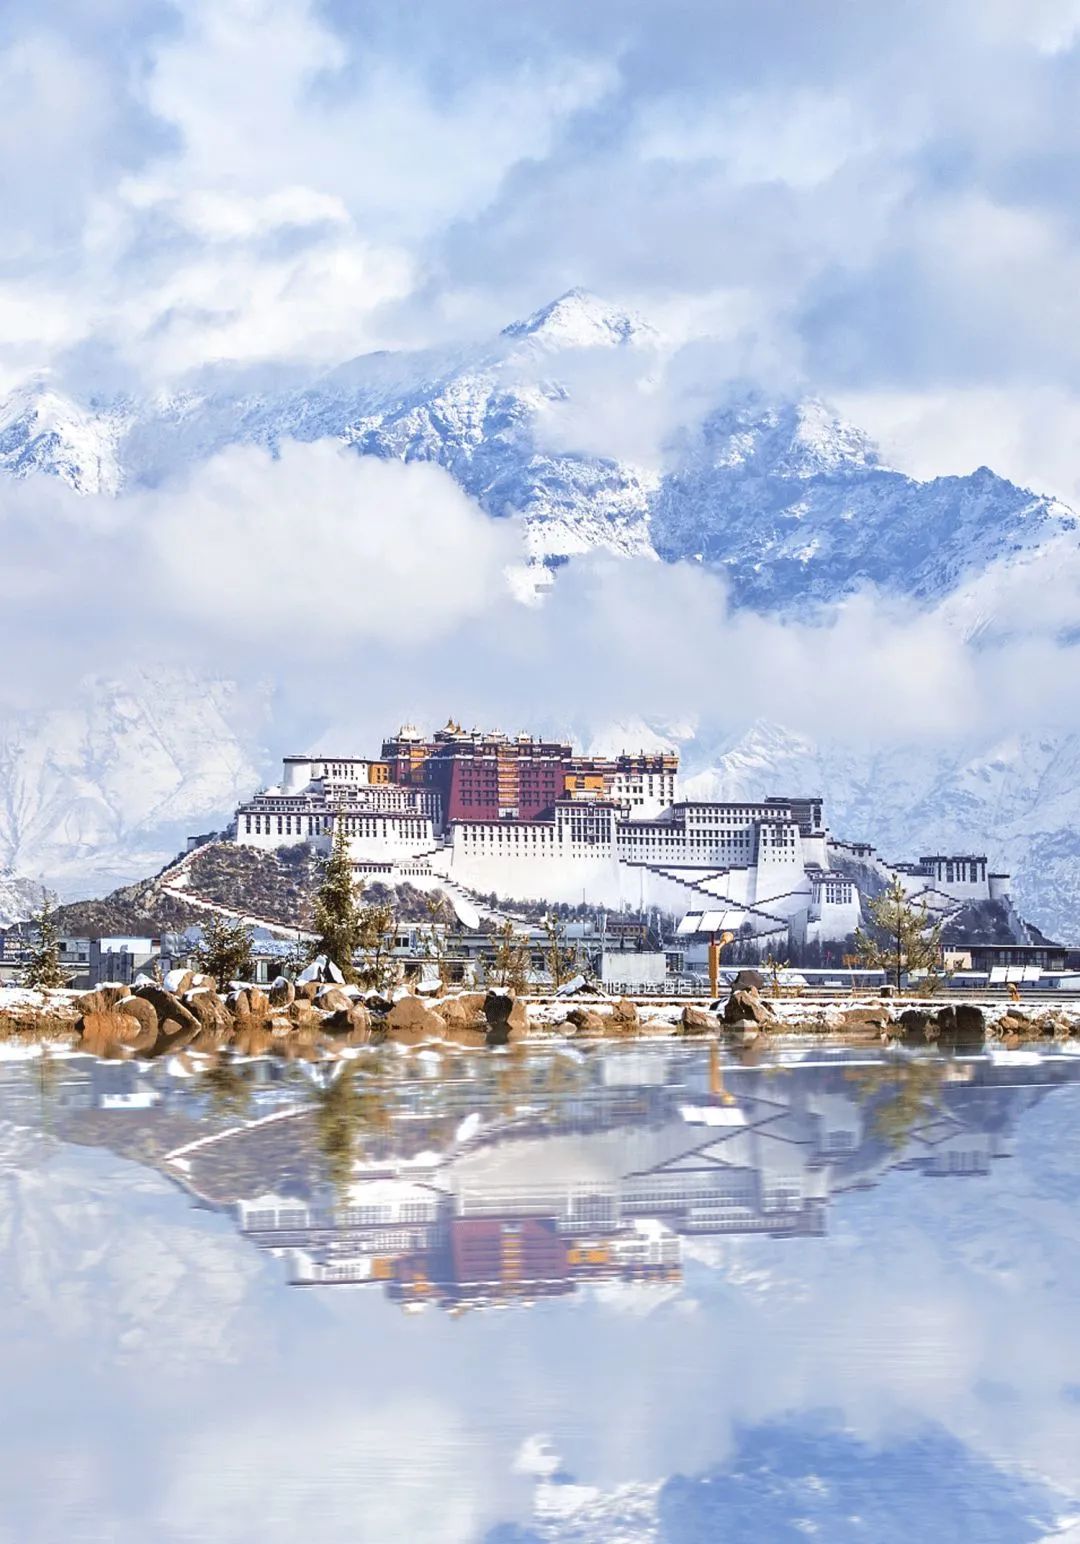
631,1294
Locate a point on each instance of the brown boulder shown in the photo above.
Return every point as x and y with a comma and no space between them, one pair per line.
107,1033
452,1012
697,1021
102,999
410,1021
281,993
865,1018
142,1012
745,1006
586,1021
210,1011
238,1003
415,1033
656,1026
308,990
354,1020
166,1006
332,999
624,1018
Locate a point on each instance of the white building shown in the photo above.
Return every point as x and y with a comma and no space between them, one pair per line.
768,866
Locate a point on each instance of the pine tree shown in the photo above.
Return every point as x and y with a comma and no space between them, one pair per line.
337,916
224,950
902,936
43,969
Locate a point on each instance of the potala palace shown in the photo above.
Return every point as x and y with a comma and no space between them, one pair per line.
477,813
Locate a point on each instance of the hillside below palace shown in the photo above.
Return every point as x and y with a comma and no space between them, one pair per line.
477,813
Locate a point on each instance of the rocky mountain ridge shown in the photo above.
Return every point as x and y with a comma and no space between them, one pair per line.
785,496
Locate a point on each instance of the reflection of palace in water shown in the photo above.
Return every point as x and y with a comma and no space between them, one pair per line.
489,1180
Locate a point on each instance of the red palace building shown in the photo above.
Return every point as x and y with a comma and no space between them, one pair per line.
492,776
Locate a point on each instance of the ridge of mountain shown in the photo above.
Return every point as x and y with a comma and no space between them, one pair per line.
1016,799
785,496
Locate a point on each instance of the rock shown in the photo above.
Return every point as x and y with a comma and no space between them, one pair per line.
415,1033
452,1012
168,1007
748,980
308,990
1013,1023
411,1021
354,1021
281,993
105,1032
654,1027
378,1003
970,1022
586,1022
568,988
507,1018
142,1012
624,1018
745,1006
696,1021
210,1011
321,969
301,1013
102,999
331,999
917,1027
178,981
113,1032
871,1017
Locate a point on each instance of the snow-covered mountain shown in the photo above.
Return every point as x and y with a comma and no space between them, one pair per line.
18,897
107,788
1016,799
783,496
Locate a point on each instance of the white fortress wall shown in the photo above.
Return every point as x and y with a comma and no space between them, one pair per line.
636,844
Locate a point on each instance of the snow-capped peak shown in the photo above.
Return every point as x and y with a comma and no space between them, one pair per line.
579,319
43,429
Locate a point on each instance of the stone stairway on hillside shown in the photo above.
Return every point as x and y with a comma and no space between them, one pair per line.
711,900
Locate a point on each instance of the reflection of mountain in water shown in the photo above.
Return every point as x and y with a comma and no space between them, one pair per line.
799,1479
477,1181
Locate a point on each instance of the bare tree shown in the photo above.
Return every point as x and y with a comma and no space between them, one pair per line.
510,965
560,958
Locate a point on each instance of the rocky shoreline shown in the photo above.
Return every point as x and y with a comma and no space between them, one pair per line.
320,1017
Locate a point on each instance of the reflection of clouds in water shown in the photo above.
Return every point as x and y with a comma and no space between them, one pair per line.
189,1394
358,1466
